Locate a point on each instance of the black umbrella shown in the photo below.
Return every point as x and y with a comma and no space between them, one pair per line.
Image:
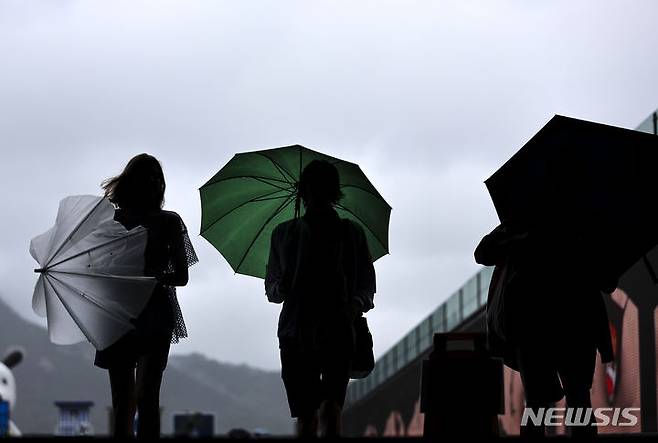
596,182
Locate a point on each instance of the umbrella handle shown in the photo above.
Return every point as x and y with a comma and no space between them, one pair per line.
297,200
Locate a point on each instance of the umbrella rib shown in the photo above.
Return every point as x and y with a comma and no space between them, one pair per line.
260,231
101,275
252,200
109,242
280,168
364,224
270,198
276,186
45,294
256,177
374,194
84,219
87,298
75,318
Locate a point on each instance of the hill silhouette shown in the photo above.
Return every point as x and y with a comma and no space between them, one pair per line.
238,395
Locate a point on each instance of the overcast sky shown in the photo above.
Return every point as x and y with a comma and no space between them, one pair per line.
428,97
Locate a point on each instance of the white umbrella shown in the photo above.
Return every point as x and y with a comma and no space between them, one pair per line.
91,281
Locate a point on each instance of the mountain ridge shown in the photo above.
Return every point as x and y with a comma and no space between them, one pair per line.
239,395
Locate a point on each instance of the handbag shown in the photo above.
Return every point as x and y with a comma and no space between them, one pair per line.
363,357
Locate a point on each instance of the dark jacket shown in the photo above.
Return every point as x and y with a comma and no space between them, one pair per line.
543,291
319,265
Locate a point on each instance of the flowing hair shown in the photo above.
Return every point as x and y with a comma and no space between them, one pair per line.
140,187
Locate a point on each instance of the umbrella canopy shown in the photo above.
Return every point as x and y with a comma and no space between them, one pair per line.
255,191
593,181
91,269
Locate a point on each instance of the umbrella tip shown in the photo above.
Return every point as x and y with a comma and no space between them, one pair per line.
40,270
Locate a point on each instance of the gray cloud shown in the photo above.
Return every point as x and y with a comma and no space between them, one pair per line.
428,97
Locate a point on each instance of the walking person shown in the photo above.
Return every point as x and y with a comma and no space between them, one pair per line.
546,317
321,269
137,361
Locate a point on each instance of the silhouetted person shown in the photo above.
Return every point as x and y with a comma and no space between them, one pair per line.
321,270
137,361
551,319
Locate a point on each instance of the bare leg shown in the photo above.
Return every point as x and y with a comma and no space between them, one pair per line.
540,383
307,426
122,383
330,418
581,399
576,372
149,380
530,429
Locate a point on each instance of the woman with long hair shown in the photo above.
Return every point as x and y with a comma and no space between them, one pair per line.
137,361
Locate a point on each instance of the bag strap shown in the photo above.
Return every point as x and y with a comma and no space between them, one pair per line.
345,232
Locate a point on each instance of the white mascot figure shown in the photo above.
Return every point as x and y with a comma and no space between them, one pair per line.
8,384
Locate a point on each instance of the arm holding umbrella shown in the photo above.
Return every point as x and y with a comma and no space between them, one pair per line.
178,274
498,244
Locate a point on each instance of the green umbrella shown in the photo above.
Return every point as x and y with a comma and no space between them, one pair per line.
255,191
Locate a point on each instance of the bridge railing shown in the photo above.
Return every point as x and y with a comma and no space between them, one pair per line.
448,316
